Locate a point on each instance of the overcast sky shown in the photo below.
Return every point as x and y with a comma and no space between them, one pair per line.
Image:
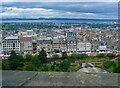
91,10
59,0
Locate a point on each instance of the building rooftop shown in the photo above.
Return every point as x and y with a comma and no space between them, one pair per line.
44,38
71,39
29,30
56,40
26,39
11,37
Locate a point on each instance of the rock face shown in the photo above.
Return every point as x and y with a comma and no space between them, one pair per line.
21,78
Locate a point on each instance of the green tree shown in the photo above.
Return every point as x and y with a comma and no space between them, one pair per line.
28,57
15,61
6,65
64,55
35,61
52,67
12,55
20,62
42,56
65,65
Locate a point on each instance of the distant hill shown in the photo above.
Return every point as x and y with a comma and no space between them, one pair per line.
60,19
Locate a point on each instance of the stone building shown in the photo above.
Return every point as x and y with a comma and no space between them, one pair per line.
26,44
44,43
56,45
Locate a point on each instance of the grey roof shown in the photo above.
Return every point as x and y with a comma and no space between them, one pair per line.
56,40
44,41
62,40
71,39
12,37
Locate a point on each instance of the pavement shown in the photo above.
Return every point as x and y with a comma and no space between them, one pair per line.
90,68
29,78
16,78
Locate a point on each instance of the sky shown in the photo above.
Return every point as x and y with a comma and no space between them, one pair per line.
86,10
60,0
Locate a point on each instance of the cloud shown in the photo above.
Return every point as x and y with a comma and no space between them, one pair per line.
59,10
13,12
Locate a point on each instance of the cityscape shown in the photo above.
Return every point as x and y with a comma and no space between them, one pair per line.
82,39
46,38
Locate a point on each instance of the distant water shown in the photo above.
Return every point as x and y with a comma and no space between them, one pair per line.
65,21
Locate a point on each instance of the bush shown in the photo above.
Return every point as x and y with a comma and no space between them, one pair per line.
65,65
79,56
73,56
28,57
29,67
64,55
101,55
83,56
42,56
52,67
55,56
111,55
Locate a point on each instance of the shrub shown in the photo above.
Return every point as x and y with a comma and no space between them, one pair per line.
101,55
79,56
55,56
111,55
64,55
65,65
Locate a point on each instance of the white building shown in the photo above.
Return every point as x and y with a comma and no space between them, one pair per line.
84,47
11,43
27,33
22,33
0,41
0,36
103,48
71,44
31,33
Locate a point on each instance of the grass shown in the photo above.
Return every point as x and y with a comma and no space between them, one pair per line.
111,65
98,64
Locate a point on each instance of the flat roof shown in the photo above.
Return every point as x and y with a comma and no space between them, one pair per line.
12,37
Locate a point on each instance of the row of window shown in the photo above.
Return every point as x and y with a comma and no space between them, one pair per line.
11,46
10,41
10,49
